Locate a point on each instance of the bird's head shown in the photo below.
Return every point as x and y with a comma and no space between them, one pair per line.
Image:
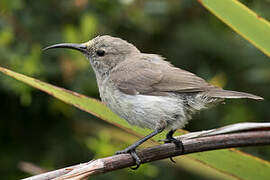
103,52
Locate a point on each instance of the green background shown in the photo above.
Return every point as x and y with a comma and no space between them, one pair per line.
37,128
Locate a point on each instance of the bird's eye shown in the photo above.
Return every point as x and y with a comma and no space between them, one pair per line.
100,52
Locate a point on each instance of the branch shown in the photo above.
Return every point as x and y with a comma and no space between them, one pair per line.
199,144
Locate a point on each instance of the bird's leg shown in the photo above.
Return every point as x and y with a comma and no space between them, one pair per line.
171,139
132,148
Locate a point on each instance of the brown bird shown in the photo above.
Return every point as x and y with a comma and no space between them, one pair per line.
146,90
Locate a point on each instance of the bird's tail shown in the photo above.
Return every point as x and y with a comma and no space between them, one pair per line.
221,93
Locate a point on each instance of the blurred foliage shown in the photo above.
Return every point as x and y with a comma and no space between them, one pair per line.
37,128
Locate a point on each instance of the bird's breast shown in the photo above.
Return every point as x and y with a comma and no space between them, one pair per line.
144,110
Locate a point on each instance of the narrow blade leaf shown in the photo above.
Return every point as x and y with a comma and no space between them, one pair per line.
244,21
230,163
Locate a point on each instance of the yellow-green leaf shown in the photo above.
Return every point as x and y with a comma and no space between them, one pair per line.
244,21
230,163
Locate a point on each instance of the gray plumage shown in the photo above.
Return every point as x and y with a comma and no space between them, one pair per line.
146,90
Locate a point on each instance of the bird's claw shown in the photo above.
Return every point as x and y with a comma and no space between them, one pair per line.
134,155
136,158
177,143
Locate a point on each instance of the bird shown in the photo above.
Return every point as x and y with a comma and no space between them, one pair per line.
146,90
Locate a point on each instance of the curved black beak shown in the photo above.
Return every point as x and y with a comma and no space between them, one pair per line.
80,47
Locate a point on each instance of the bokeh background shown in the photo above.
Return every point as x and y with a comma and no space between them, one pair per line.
38,128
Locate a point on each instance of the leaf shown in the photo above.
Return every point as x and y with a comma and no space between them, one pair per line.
228,162
244,21
235,163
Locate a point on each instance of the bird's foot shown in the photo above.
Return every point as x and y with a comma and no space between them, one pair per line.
178,144
134,155
132,148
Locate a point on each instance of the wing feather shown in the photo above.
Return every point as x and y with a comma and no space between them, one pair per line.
153,75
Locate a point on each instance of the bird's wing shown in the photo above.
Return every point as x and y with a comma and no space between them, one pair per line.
152,75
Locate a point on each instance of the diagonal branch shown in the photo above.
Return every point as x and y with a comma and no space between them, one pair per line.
199,144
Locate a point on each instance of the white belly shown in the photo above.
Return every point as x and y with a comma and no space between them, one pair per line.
144,110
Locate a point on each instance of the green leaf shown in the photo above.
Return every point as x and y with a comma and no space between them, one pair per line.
244,21
230,163
235,163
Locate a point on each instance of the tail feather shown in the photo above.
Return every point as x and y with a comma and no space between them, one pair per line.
221,93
